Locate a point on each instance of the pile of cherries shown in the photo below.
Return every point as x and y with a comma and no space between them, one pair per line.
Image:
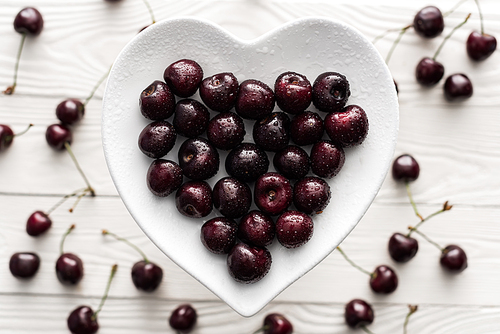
248,260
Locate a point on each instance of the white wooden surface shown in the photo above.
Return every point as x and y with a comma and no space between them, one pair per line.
457,146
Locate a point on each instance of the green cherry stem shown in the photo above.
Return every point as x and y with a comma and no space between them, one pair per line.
9,138
353,264
385,33
61,245
480,16
454,8
446,207
413,309
410,196
426,238
62,200
68,148
150,11
106,232
448,36
103,299
96,86
396,42
10,90
79,198
261,330
366,330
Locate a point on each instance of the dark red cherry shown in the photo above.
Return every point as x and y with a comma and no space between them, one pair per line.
69,269
405,168
272,132
327,159
306,128
82,321
190,118
70,111
232,197
183,318
38,223
457,87
429,22
248,264
383,280
273,193
402,248
294,229
246,162
29,21
348,127
311,195
293,92
198,159
480,46
57,135
157,139
453,259
276,323
330,92
157,102
183,77
219,91
256,228
6,137
255,99
226,130
218,235
293,162
164,177
194,199
358,313
429,72
146,276
24,265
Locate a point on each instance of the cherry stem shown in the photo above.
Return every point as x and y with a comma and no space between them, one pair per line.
68,148
448,36
71,228
366,330
10,90
106,232
446,207
354,264
413,309
62,200
78,199
96,86
113,272
150,11
427,238
261,330
480,16
9,138
454,8
396,42
385,33
408,191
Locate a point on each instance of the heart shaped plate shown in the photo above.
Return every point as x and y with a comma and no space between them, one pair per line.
308,46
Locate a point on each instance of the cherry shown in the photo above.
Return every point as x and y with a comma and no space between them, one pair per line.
330,92
453,258
348,127
226,130
218,235
246,162
38,222
306,128
190,118
183,77
358,313
157,139
198,159
293,92
311,195
273,193
256,228
429,22
232,197
157,102
70,111
294,229
480,45
272,132
457,87
292,161
255,99
327,159
219,91
248,264
402,248
275,323
83,320
7,136
69,267
24,265
405,168
183,318
57,135
164,177
194,199
146,275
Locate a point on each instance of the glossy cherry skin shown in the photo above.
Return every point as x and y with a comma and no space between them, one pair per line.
183,318
246,162
306,128
480,46
219,91
218,235
183,77
70,111
383,280
81,321
272,132
453,259
38,223
157,102
194,199
226,130
276,323
157,139
24,265
457,87
293,92
429,22
248,264
294,229
405,168
255,99
358,313
429,72
190,118
164,177
292,161
348,127
198,158
146,276
273,193
402,248
6,137
330,92
232,197
311,195
69,269
327,159
256,228
29,21
57,135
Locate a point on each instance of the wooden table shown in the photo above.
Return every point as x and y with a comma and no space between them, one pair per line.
456,144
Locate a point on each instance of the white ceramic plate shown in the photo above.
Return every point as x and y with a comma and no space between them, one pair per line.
307,46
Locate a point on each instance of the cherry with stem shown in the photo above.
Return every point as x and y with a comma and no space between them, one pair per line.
413,309
7,136
479,44
146,275
83,320
69,267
